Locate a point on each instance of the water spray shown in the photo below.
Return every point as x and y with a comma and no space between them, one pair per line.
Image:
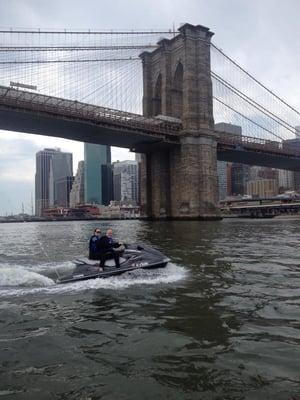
46,254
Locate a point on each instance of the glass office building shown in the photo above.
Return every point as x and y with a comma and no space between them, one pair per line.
97,174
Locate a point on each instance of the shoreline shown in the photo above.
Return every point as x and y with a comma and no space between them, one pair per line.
65,220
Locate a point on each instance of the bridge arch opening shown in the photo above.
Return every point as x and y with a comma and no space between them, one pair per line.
156,101
177,92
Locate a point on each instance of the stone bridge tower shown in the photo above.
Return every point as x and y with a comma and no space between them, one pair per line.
181,182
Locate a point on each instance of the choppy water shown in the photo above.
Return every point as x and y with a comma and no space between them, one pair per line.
222,321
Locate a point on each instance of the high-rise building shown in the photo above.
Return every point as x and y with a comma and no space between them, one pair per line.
125,175
61,178
229,179
262,188
77,191
228,128
294,144
286,180
97,174
254,172
230,175
239,178
53,179
138,159
258,173
63,188
222,179
42,177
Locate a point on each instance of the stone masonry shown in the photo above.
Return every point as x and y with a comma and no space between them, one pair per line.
181,182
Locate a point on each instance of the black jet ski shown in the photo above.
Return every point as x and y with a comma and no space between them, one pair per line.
132,258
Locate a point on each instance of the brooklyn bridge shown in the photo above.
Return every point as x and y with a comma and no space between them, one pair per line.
173,96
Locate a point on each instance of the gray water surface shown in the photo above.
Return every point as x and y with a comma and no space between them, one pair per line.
221,321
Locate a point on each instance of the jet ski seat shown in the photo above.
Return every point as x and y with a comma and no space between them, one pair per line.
111,262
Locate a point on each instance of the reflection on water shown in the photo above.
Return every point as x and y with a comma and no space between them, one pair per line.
220,322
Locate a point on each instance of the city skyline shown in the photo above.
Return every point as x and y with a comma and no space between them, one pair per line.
274,50
57,187
10,202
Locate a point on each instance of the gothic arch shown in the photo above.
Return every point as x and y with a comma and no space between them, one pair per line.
156,100
177,92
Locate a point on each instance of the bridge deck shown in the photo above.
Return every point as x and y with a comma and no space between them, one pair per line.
32,112
35,113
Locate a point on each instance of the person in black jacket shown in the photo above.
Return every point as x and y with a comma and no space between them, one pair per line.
94,253
107,248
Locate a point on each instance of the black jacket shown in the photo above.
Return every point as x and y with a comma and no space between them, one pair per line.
105,244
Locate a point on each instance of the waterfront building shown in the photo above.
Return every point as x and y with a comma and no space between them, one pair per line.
97,174
77,191
294,144
258,173
119,211
268,173
262,188
125,177
286,180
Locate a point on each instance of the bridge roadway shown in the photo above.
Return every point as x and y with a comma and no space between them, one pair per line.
31,112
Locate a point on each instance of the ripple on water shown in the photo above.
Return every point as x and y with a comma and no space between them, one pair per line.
221,323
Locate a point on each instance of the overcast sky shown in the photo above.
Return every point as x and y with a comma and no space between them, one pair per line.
262,35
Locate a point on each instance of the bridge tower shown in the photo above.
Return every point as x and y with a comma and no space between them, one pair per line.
181,182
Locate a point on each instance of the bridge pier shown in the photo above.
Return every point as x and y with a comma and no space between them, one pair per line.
181,183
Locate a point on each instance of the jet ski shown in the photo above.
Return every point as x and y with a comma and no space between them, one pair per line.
132,258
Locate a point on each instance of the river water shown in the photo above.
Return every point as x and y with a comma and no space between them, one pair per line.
221,321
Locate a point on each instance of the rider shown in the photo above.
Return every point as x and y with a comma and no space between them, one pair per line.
94,253
107,247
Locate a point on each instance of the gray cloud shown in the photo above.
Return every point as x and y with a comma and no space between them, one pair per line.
17,165
15,155
263,35
13,194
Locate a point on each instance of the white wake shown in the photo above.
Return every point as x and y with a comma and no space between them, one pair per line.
17,280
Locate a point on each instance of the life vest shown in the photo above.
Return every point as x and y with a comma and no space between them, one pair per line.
93,244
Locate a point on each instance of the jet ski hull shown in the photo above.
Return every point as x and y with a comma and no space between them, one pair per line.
134,258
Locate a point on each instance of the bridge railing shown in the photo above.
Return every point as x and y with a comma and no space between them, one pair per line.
74,109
